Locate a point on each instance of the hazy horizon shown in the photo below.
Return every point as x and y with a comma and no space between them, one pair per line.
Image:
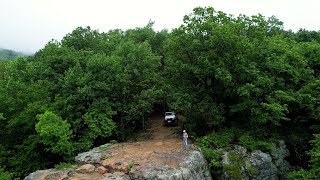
28,25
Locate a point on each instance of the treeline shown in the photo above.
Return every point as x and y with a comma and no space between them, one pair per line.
244,79
86,90
6,54
250,82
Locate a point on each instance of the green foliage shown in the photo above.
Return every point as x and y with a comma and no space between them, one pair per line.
130,166
215,144
314,171
304,35
65,166
212,147
220,74
253,144
315,154
245,72
217,140
84,39
251,170
100,86
214,157
234,168
5,175
98,125
106,157
4,69
54,133
245,78
103,148
300,175
237,166
113,141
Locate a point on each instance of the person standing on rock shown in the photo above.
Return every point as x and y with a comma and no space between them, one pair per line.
185,140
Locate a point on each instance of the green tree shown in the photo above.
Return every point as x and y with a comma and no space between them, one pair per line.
54,133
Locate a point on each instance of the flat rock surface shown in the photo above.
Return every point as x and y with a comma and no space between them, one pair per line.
156,153
163,147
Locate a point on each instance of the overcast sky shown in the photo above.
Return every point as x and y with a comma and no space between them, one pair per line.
27,25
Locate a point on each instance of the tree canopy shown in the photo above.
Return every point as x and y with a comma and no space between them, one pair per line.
245,76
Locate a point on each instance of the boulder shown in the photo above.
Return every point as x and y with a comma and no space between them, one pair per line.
197,166
279,153
257,164
242,151
194,166
93,156
102,170
264,169
49,174
86,168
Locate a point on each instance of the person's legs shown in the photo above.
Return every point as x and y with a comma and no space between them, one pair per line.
185,143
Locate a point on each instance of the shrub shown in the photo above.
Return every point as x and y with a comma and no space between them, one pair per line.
65,166
314,162
212,145
5,175
299,175
130,166
234,168
220,139
214,157
103,148
252,144
113,141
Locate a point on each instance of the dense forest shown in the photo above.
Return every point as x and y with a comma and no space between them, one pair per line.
6,54
237,80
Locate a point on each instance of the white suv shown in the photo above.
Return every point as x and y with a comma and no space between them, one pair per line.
170,118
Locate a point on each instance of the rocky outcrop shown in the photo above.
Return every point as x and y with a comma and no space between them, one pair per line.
192,167
94,156
196,164
262,166
159,156
49,174
257,165
278,155
99,164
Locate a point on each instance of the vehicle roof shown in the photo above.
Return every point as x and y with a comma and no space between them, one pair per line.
170,112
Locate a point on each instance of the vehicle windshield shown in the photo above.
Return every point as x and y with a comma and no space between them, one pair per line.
169,113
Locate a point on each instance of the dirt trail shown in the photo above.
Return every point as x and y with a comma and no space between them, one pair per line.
158,132
164,146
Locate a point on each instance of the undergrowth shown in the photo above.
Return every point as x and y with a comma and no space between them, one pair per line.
65,166
214,145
